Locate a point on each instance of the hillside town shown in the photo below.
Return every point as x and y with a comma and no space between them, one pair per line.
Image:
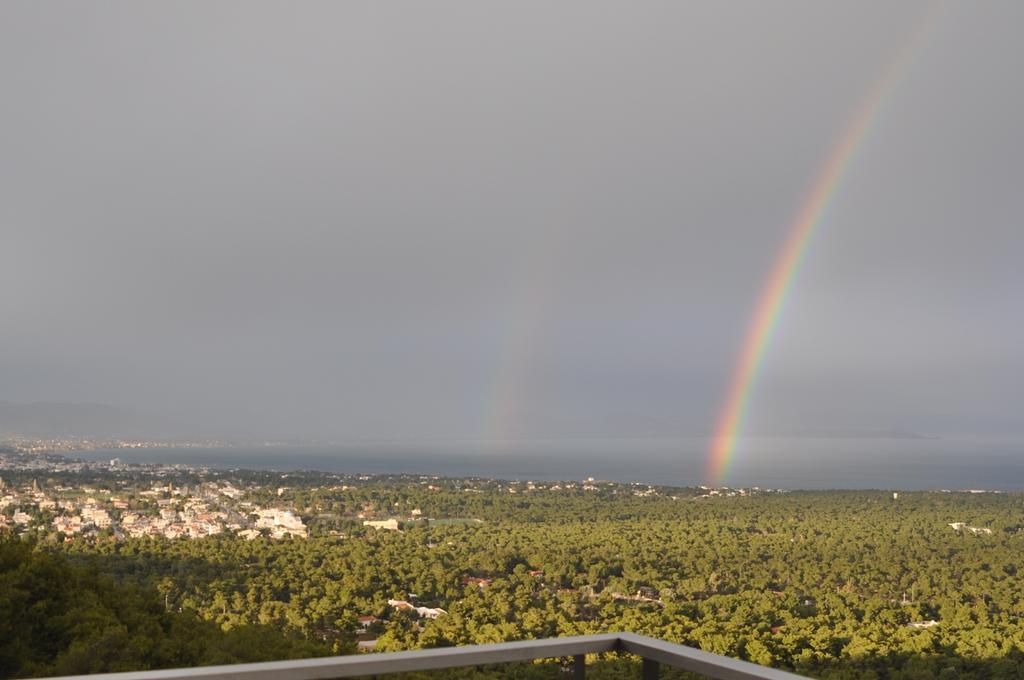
78,498
123,508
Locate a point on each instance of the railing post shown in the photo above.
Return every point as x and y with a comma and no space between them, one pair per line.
650,669
579,667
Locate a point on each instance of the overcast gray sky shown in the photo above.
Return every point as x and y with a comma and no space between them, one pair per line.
505,220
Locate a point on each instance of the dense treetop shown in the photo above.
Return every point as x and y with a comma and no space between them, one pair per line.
824,583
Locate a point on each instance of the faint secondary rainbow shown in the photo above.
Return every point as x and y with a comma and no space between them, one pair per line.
506,394
512,380
774,294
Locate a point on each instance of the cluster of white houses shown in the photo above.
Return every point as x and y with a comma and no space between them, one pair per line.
160,511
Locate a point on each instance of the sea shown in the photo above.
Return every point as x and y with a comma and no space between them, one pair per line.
907,463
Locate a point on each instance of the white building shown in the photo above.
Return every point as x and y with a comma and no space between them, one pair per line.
389,524
281,523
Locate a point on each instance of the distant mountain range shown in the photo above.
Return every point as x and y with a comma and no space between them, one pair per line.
48,419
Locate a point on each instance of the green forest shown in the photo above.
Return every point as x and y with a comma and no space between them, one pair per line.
826,584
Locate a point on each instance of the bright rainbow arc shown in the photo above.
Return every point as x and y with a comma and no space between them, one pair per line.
775,292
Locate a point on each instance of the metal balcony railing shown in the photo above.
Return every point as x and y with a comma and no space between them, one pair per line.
653,652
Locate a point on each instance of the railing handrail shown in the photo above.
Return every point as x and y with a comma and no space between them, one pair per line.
356,665
697,660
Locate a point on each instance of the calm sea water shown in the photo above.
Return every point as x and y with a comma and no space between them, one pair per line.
804,463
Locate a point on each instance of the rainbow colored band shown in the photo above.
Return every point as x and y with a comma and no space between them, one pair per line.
775,292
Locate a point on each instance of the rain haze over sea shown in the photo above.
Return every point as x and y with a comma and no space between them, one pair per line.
580,230
769,462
